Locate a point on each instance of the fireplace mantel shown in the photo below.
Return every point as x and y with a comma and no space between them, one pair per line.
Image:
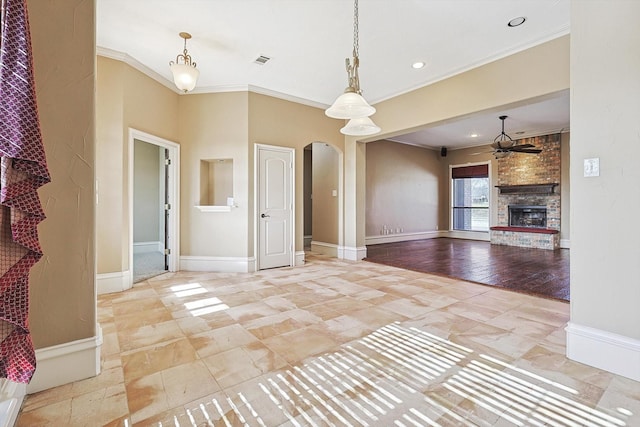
527,189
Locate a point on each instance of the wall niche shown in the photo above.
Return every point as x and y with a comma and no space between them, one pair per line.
216,185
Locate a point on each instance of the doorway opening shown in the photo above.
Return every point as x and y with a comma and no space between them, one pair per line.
322,198
153,205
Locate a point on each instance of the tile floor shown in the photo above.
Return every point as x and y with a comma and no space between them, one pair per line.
334,343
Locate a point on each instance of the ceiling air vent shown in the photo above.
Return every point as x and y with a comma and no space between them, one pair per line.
261,60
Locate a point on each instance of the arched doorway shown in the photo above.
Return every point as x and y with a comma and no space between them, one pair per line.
322,199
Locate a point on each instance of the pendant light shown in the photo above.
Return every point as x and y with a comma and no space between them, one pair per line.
351,104
360,126
185,73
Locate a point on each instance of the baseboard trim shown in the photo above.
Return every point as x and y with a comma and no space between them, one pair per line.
468,235
307,240
11,397
329,249
604,350
352,254
402,237
299,258
144,247
217,264
66,363
565,243
119,281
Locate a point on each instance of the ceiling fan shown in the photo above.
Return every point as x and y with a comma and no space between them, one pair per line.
503,145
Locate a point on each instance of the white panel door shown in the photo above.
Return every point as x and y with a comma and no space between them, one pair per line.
275,207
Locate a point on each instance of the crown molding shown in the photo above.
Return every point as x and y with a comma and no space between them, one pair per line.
286,97
131,61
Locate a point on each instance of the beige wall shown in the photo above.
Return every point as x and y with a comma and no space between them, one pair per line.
124,98
214,126
211,126
403,188
605,107
63,297
282,123
110,178
325,171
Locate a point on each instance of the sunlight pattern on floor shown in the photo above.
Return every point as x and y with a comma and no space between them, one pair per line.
400,376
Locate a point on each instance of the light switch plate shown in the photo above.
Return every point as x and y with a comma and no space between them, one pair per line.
592,167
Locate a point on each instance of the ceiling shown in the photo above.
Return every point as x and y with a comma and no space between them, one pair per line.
307,42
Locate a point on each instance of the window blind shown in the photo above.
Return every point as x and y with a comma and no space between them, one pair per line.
476,171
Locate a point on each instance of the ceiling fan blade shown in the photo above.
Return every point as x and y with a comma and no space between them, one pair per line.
502,145
524,145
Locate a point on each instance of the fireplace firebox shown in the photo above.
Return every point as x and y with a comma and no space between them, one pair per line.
527,216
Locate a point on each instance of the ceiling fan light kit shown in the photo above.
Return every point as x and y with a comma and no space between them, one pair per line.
185,73
351,105
503,145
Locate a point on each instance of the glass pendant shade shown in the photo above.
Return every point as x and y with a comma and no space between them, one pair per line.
185,76
360,126
350,105
501,154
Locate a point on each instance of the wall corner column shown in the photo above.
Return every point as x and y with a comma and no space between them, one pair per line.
354,199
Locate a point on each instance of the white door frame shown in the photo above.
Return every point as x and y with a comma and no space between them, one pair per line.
256,211
173,191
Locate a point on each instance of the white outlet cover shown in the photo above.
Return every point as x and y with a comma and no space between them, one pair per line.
592,167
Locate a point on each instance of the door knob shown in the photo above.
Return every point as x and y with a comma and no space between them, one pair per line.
264,216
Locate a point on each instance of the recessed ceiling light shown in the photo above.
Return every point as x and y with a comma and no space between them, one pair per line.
474,135
517,21
418,65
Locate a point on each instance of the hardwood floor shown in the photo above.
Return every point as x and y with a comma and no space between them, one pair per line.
533,271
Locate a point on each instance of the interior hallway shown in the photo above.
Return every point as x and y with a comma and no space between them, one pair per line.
537,272
334,343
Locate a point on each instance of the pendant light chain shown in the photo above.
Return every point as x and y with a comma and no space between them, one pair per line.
352,67
356,30
351,105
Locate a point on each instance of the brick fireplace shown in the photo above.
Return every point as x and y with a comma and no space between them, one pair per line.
530,180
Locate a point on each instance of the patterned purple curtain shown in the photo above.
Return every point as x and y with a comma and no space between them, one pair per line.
23,169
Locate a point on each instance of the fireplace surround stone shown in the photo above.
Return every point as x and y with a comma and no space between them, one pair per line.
530,180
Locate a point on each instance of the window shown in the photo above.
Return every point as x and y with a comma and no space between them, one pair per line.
470,198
